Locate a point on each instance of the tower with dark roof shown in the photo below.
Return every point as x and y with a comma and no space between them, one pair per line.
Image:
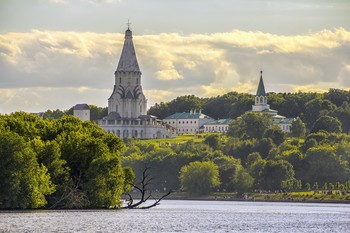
127,98
261,106
260,97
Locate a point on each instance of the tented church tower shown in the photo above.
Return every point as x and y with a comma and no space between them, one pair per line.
261,98
127,106
127,98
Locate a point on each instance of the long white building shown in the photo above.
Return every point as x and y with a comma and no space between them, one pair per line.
187,122
127,106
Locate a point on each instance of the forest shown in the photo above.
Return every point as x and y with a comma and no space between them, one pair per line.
62,162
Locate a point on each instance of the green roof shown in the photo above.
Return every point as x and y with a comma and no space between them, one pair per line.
186,115
219,122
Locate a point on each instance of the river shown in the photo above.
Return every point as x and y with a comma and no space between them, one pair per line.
187,216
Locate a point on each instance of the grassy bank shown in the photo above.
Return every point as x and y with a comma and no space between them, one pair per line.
304,196
180,138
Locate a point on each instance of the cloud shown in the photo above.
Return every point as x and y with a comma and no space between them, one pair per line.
79,64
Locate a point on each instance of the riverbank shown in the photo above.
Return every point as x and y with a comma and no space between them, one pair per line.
304,196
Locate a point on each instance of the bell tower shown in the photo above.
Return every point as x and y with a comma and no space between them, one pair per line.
260,97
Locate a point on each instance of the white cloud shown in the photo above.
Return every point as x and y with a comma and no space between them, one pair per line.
39,65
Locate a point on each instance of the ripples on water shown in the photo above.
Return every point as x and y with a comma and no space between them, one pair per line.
187,216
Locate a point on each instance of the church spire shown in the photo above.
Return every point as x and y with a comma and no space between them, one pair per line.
261,88
128,60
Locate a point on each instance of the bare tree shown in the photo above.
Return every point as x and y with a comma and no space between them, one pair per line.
72,196
143,188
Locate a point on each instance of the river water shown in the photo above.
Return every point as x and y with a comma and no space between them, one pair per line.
187,216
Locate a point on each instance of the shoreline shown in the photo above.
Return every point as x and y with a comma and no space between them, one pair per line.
263,197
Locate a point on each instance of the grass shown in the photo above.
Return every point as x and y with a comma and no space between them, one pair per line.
301,196
181,138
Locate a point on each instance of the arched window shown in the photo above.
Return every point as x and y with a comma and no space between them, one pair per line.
261,99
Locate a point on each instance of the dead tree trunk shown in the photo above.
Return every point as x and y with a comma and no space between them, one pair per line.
145,192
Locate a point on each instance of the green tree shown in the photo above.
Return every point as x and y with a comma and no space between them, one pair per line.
212,140
242,181
276,134
316,108
342,113
274,173
23,182
328,124
228,168
250,125
199,178
324,166
298,128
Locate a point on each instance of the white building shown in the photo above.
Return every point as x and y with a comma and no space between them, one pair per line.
187,122
217,126
262,106
127,105
82,111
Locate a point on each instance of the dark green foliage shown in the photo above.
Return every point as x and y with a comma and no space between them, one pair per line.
276,135
274,172
23,182
212,140
316,108
324,165
180,104
298,128
64,163
328,124
250,125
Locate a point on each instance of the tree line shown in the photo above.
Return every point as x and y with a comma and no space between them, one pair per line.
254,155
307,106
67,163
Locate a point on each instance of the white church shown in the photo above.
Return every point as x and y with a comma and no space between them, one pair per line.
261,106
127,106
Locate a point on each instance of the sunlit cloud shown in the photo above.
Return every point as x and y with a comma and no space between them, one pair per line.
40,64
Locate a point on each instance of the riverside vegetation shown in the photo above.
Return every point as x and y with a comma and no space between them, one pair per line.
66,163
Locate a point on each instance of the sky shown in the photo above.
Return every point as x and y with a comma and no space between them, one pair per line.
58,53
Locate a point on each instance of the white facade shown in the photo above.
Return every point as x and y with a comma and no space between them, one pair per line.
82,111
187,122
218,126
127,106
